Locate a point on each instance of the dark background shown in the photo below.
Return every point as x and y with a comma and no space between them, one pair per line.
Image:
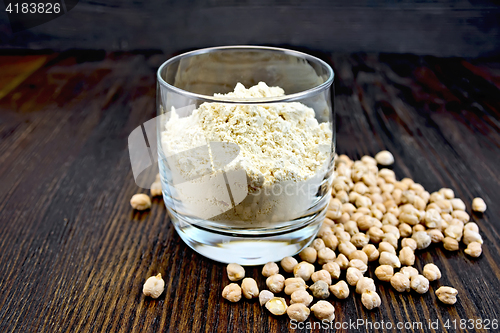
467,28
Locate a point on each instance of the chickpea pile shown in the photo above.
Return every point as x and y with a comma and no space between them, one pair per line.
372,218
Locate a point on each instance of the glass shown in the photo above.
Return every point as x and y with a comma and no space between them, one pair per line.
246,177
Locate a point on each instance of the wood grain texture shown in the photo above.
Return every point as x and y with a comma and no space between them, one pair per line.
74,256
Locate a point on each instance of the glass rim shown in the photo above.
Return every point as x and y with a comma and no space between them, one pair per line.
286,98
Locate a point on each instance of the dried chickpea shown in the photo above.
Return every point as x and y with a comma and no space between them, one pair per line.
365,284
333,269
294,284
249,288
348,208
232,292
454,231
277,306
471,236
450,244
384,158
325,230
405,230
375,234
265,296
384,272
390,219
371,299
406,256
346,248
478,205
342,261
365,222
387,258
270,268
359,255
409,242
340,290
447,295
460,215
318,244
431,272
353,275
359,264
409,271
331,241
154,286
391,239
322,275
342,196
343,236
298,312
351,227
140,201
371,252
457,204
400,282
360,239
275,283
418,227
320,289
471,226
419,283
155,189
474,249
301,296
436,235
326,255
324,311
386,247
422,238
303,270
288,263
235,272
309,254
432,218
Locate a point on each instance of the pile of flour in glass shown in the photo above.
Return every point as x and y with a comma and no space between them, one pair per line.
284,153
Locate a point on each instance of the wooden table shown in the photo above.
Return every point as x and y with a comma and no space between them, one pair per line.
74,255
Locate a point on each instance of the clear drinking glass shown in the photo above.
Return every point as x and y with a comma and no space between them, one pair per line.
246,178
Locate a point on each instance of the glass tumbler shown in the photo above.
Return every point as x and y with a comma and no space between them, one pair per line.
246,143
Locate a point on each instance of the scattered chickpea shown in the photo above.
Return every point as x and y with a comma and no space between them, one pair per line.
371,252
360,239
471,226
450,244
333,269
387,258
232,292
301,296
386,247
432,272
340,290
324,311
342,261
322,275
288,263
365,284
154,286
474,249
249,288
436,235
140,201
409,271
294,284
447,295
331,241
375,234
235,272
406,256
419,283
471,236
269,269
265,296
400,282
155,189
478,205
320,289
309,254
277,306
303,270
318,244
384,272
359,264
276,283
353,275
326,255
409,242
298,312
371,299
423,239
457,204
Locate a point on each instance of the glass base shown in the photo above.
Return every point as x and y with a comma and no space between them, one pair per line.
250,248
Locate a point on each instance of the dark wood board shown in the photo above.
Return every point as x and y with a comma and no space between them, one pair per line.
74,256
